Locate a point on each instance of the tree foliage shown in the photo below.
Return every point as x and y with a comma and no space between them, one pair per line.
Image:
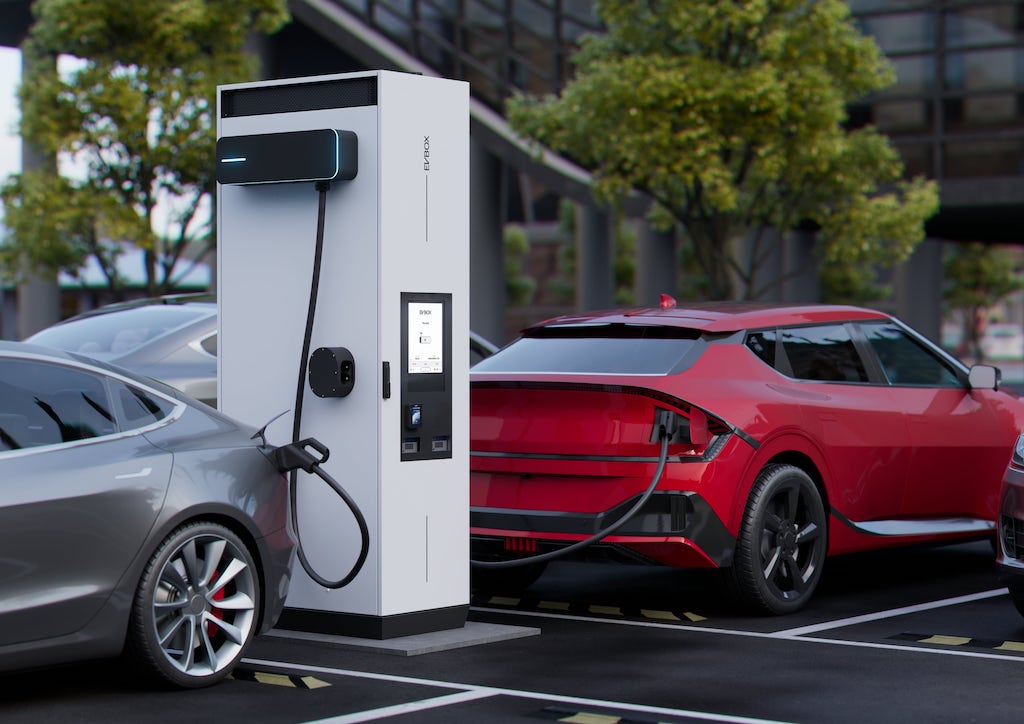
136,116
730,115
978,276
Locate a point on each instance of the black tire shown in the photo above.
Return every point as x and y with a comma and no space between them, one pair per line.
783,539
514,579
196,608
1017,596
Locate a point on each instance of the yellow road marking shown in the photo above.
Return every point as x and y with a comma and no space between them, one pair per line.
554,605
1011,646
661,615
946,640
607,610
504,601
586,718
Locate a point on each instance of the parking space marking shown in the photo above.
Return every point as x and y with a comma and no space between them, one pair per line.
474,691
945,640
263,677
800,634
891,613
407,708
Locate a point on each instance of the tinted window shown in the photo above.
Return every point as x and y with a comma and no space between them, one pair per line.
823,353
763,345
595,349
907,361
140,408
105,336
46,404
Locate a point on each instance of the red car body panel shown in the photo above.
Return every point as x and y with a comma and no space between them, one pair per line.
553,447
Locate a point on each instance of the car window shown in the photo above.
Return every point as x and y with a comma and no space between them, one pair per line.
47,404
823,352
906,360
762,343
595,349
139,408
105,336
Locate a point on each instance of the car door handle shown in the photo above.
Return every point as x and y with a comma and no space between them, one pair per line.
141,474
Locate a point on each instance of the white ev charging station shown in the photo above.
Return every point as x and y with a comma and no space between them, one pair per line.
343,293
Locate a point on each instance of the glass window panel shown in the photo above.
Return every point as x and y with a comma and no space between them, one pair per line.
986,111
906,361
984,69
861,6
900,33
824,353
595,349
140,408
973,159
903,116
46,404
914,75
918,159
991,25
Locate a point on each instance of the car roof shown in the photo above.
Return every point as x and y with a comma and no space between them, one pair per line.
720,316
197,299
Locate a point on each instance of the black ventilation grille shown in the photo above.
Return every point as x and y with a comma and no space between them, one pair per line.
266,100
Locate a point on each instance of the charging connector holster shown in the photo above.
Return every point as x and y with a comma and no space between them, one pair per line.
332,372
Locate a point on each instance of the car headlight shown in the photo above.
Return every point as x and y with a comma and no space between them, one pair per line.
1018,451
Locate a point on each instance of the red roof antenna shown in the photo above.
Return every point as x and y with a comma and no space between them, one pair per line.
668,301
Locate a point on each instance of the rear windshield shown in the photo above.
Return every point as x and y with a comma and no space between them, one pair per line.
106,336
624,349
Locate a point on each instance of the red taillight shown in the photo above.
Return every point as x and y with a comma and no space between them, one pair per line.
520,545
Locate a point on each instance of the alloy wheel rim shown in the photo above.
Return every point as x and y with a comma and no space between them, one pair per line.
790,544
204,606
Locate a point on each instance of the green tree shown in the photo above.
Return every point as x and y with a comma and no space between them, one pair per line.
136,117
978,276
730,115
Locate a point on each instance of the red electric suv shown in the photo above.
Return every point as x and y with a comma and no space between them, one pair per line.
754,438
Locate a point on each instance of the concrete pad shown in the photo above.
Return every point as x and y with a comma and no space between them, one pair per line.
472,634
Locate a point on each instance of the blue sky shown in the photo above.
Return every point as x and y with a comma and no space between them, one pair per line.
10,144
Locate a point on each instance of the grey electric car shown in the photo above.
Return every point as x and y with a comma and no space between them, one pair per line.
132,520
171,338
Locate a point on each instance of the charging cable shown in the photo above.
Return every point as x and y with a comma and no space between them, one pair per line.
290,458
665,434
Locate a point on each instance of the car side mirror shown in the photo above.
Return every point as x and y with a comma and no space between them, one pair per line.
984,377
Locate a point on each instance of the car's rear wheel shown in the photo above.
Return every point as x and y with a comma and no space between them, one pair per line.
782,543
196,607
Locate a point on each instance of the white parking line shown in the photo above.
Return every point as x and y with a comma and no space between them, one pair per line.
399,709
799,634
472,691
891,613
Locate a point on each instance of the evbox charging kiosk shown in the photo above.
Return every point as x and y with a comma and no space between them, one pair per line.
348,196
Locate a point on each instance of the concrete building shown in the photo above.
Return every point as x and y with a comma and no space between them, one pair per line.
956,114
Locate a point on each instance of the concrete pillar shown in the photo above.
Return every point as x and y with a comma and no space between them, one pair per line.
595,272
39,296
917,286
655,265
801,281
486,246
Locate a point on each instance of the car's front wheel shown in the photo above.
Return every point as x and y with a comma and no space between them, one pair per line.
782,543
196,606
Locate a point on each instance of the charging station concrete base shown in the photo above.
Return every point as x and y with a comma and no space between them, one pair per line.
393,297
472,634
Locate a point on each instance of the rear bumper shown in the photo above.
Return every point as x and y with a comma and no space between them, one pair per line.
675,528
